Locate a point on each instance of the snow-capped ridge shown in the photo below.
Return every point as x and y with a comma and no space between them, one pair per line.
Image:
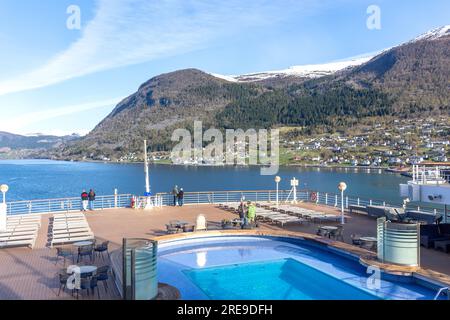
301,71
434,34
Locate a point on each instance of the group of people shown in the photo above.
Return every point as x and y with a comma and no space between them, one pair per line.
178,195
247,212
87,200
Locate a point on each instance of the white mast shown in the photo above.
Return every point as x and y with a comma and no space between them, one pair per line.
148,203
147,179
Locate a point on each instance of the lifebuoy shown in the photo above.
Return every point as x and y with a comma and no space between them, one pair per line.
132,202
313,196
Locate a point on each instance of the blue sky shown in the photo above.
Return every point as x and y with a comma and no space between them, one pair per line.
56,80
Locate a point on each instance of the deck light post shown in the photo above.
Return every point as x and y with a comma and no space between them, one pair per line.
342,186
4,189
294,184
277,181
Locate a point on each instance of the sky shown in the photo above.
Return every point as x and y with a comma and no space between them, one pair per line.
58,77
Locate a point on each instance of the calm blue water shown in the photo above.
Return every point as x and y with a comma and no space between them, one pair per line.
243,267
43,179
285,279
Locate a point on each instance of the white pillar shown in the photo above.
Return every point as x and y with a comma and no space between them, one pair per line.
342,207
115,198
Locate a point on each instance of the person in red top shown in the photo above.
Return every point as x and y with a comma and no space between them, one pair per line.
84,200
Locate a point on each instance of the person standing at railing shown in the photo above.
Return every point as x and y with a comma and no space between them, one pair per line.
180,197
242,210
91,198
251,215
84,200
175,195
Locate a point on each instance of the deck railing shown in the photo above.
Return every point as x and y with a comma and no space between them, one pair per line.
318,197
205,197
66,204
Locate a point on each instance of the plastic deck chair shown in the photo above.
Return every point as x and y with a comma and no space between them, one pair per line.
200,224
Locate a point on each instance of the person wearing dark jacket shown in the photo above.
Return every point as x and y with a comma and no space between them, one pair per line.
175,195
180,197
91,197
84,200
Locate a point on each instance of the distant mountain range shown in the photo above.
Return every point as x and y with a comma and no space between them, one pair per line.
33,141
409,80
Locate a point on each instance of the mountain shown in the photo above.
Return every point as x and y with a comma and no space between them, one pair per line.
417,73
14,146
411,79
35,141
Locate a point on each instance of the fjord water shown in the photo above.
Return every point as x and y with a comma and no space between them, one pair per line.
44,179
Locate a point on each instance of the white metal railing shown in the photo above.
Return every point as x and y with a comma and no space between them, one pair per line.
142,201
324,198
429,175
204,197
66,204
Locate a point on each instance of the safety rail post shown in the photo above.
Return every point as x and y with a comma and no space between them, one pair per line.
335,200
326,199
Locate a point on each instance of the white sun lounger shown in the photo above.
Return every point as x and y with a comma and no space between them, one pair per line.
15,243
71,239
73,230
289,219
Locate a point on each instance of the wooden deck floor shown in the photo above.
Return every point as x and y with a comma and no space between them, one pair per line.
32,274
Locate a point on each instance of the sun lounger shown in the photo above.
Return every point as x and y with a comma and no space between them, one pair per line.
16,243
289,219
71,239
73,230
20,231
19,239
6,234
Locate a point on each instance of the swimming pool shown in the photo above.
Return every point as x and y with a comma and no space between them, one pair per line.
276,268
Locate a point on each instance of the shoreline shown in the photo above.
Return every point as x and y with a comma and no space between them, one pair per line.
318,166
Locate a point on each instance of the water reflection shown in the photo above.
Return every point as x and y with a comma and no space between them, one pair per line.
201,258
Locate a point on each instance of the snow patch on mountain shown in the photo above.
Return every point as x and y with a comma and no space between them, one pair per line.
434,34
303,71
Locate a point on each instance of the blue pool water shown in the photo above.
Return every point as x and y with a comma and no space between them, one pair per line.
285,279
260,268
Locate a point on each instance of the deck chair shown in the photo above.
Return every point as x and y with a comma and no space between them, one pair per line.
200,223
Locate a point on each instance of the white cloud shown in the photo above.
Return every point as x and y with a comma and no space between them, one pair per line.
125,32
19,123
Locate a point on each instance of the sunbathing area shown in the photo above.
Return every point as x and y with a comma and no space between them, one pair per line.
88,240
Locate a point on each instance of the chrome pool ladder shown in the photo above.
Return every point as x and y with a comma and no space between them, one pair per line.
440,292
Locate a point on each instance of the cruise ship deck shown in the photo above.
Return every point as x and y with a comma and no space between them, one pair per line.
32,273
